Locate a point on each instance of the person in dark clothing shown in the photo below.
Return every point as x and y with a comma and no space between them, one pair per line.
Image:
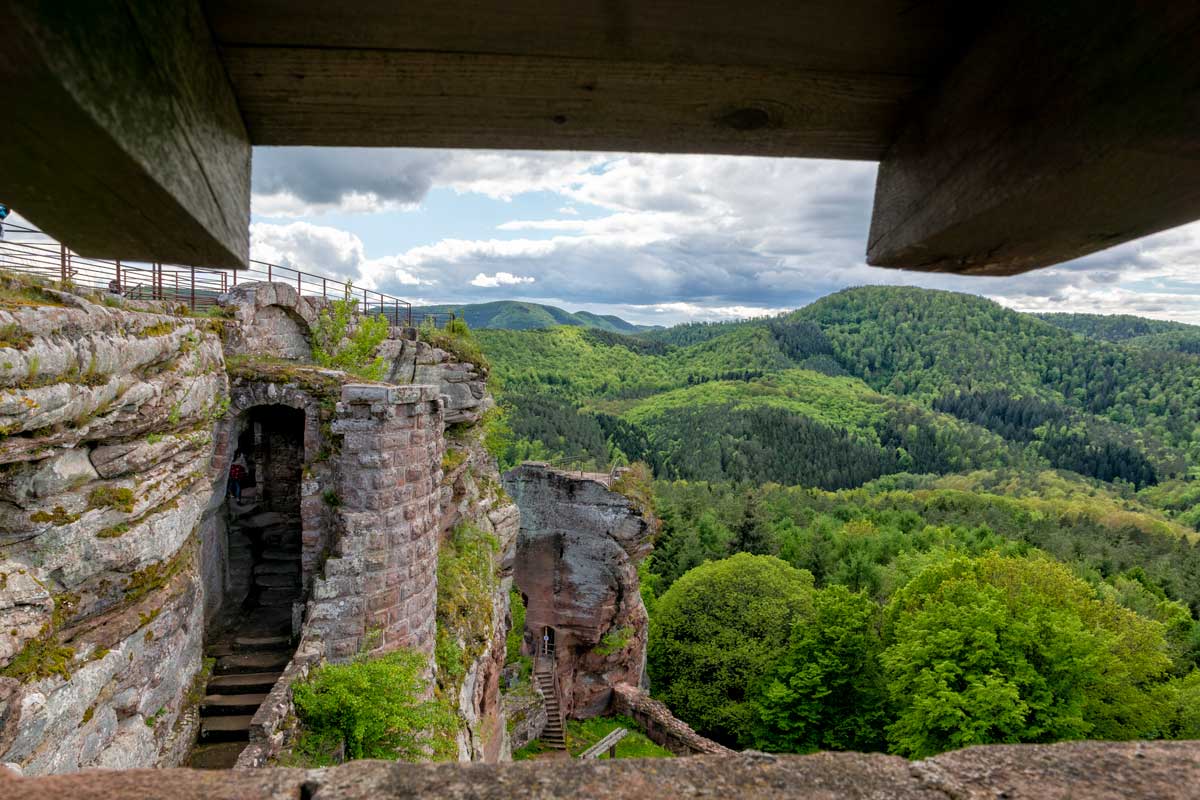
237,474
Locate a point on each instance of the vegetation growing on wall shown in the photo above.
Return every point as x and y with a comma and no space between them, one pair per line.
467,580
336,346
455,338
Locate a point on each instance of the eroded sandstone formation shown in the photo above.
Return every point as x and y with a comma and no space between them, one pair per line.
576,566
105,473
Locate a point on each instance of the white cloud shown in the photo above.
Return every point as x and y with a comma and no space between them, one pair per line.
500,279
691,236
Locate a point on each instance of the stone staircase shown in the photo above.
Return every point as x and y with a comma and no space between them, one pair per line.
256,643
554,734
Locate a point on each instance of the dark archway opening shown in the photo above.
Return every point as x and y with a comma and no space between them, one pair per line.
264,522
252,639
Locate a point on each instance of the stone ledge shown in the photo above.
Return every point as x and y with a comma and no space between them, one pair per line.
1093,770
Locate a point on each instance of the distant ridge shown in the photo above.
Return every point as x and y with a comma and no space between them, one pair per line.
515,315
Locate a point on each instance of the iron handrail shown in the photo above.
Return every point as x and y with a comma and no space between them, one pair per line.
197,288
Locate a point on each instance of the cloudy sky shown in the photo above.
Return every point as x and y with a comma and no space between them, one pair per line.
655,239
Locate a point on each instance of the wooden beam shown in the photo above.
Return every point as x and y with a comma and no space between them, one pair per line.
300,96
823,78
607,744
122,136
1067,128
892,37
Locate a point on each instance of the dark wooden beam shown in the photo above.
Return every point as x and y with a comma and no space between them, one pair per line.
300,96
825,78
1067,128
122,136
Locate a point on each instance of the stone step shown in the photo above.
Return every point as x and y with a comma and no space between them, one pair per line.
226,729
243,682
224,705
275,554
260,643
218,649
251,663
221,755
278,597
270,580
290,567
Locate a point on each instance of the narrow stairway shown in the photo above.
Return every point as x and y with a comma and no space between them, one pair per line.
255,644
553,736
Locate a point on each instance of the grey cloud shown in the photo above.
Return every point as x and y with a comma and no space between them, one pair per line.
328,174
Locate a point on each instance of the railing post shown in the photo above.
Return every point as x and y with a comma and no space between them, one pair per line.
62,263
235,279
268,273
299,291
118,274
193,291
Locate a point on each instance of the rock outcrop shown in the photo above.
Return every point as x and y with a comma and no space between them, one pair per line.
576,566
1093,770
105,473
462,386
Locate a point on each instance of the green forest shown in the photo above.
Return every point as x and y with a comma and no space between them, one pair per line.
897,519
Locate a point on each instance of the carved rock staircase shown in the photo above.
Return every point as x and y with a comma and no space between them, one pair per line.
554,734
256,644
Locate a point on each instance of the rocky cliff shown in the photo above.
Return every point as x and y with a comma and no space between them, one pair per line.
576,566
105,476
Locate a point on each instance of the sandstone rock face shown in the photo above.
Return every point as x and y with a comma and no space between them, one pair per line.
1093,770
471,494
462,386
576,565
105,471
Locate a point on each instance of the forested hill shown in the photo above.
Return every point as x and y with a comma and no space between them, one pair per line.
859,384
1150,334
515,315
854,495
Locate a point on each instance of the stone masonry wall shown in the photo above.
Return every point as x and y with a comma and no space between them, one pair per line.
381,576
105,473
661,726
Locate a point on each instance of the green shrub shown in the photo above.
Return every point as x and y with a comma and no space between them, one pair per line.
353,353
455,338
614,641
516,634
497,435
374,706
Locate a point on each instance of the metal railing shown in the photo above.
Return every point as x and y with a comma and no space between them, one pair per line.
30,251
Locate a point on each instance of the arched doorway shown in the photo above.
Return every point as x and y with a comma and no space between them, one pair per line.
264,522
